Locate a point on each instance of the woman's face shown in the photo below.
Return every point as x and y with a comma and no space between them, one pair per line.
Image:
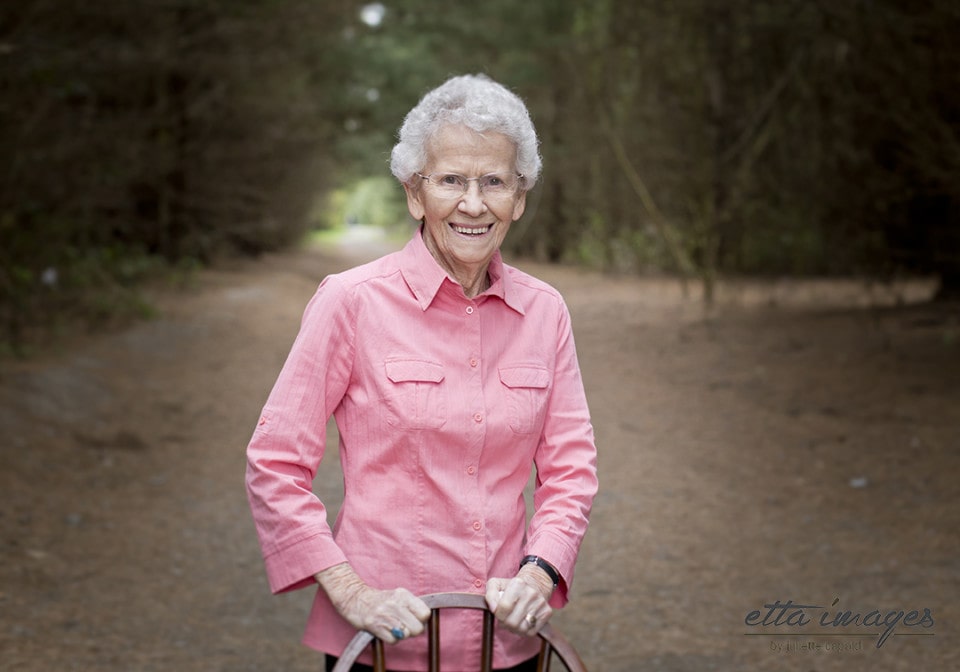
464,232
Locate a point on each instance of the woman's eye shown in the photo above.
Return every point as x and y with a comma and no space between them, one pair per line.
494,181
450,180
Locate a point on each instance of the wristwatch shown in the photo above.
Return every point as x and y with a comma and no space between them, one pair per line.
544,565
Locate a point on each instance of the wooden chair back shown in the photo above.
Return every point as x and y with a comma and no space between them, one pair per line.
552,642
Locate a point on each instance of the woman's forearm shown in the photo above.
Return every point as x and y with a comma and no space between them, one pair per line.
341,584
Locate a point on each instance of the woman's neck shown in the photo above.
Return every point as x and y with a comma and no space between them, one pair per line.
472,278
479,286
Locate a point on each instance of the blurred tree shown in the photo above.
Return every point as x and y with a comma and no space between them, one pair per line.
696,136
168,128
901,67
761,136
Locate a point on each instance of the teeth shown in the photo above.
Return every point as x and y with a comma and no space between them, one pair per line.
470,231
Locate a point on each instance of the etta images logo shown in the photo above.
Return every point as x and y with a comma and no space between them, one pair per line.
792,619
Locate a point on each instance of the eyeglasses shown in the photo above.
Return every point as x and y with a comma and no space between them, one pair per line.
452,185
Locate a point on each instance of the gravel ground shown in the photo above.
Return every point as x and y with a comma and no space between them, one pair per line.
799,441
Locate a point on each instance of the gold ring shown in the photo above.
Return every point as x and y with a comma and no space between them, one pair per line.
531,620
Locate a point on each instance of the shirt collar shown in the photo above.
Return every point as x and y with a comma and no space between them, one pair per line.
424,276
501,283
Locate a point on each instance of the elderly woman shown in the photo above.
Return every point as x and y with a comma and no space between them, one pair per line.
450,375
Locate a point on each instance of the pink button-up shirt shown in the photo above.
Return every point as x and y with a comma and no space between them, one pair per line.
443,404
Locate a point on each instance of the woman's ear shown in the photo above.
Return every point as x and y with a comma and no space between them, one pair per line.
414,205
520,206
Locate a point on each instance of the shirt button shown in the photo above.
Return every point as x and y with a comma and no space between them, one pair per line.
478,583
477,525
474,362
469,310
471,470
263,421
477,417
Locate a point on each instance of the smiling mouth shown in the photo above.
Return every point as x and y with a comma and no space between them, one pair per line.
471,231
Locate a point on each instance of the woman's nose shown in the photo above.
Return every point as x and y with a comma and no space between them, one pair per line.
472,202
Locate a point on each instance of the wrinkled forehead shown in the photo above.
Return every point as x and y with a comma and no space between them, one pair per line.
458,148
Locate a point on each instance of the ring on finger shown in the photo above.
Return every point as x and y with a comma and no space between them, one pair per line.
531,620
399,632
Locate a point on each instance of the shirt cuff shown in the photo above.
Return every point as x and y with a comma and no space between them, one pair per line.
294,567
558,553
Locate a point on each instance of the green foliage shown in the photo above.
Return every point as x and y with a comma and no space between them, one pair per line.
377,201
374,201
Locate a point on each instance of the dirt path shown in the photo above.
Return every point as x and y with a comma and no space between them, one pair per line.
806,450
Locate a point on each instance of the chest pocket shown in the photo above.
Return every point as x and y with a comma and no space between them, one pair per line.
413,395
525,389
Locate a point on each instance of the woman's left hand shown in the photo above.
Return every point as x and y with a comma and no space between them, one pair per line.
521,604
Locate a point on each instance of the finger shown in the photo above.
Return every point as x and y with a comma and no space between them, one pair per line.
399,629
519,595
515,620
419,609
388,634
384,619
530,623
402,600
527,612
494,593
534,622
411,625
399,616
512,608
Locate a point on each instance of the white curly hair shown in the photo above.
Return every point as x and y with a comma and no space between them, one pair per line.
477,102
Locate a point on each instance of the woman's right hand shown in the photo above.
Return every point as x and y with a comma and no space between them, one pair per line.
383,613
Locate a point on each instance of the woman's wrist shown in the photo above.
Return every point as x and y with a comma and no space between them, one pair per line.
547,568
537,578
341,584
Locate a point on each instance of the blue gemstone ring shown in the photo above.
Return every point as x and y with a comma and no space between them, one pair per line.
398,633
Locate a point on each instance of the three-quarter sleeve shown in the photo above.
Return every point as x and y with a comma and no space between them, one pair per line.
289,441
566,463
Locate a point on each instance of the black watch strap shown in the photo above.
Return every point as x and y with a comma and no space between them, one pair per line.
544,565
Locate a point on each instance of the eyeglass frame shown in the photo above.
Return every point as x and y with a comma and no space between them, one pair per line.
468,180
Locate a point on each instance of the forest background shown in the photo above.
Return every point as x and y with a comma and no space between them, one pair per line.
706,138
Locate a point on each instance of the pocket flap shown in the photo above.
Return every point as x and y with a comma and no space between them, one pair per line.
412,370
524,376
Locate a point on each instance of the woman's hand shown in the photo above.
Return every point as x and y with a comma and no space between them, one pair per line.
390,615
521,603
